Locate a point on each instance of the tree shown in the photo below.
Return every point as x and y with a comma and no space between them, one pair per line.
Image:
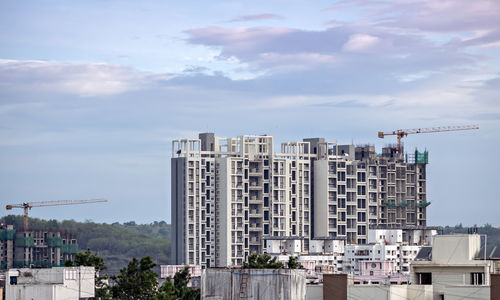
167,291
264,261
293,263
136,281
89,259
178,287
181,280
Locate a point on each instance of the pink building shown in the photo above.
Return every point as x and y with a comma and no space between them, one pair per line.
379,272
170,270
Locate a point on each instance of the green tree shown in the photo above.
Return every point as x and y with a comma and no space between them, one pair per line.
89,259
178,287
293,263
264,261
137,281
167,291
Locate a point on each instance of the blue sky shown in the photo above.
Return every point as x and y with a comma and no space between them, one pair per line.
93,92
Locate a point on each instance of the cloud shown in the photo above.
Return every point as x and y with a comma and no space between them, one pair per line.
340,49
483,39
442,16
256,17
86,80
361,43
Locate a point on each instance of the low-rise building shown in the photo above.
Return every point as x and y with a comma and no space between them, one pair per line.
396,246
170,270
324,256
50,283
379,272
400,255
451,267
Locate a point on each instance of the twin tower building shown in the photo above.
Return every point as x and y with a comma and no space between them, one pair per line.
229,194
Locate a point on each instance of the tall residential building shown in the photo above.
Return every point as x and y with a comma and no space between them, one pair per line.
229,193
359,188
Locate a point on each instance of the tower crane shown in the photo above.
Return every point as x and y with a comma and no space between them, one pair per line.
400,133
28,205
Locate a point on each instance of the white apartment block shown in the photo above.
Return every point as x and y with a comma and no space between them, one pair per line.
325,255
229,193
388,245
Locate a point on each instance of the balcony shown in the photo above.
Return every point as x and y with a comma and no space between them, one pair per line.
254,171
255,213
254,241
255,226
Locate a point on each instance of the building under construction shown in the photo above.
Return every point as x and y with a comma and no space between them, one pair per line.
35,248
230,193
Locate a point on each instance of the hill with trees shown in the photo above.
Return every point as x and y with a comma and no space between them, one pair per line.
116,243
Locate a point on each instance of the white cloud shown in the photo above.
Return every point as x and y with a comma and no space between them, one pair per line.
361,43
86,80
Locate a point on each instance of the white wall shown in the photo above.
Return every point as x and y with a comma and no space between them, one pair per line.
51,283
388,236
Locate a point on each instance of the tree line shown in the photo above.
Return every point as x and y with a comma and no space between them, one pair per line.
137,280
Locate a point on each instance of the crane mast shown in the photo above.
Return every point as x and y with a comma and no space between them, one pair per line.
401,133
28,205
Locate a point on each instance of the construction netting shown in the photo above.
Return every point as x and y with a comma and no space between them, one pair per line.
27,242
421,157
7,234
54,242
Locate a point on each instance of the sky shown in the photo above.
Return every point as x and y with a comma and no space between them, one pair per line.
93,92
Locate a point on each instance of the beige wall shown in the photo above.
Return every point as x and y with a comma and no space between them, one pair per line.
455,249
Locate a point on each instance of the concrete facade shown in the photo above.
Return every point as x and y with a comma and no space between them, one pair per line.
50,283
262,284
230,193
351,195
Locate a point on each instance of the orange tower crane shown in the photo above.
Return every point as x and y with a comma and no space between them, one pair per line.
400,133
28,205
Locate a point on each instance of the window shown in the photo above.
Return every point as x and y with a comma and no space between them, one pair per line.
424,278
477,278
